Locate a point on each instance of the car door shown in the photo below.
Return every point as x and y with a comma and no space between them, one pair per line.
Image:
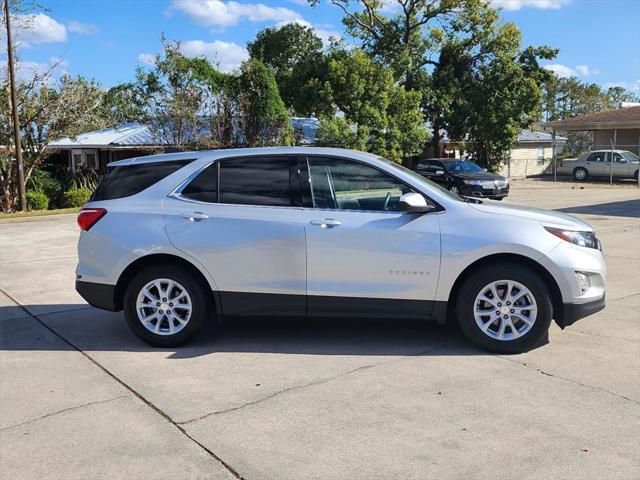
242,219
597,164
621,168
365,258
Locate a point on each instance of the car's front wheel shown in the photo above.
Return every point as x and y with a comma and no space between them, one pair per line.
165,306
504,308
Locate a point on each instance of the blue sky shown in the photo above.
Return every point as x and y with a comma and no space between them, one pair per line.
599,40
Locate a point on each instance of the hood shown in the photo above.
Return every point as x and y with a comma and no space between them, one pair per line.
477,175
546,217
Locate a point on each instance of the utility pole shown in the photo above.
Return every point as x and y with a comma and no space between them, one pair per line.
22,199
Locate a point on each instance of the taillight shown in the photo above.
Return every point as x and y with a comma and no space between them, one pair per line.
88,217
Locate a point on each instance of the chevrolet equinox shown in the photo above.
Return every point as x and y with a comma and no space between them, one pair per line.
175,240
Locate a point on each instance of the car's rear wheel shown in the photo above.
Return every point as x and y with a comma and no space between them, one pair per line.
165,306
504,308
580,174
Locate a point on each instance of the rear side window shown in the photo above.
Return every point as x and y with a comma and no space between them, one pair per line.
204,187
128,180
257,181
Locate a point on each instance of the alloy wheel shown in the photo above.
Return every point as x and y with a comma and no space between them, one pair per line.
164,306
505,310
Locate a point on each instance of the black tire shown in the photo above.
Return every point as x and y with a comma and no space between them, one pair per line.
472,286
581,174
201,305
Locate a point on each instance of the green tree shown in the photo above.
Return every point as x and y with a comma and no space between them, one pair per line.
48,110
377,115
263,117
447,48
190,104
295,55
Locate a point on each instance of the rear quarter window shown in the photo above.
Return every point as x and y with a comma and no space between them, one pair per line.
127,180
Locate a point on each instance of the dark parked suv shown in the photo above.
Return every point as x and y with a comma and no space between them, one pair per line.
464,177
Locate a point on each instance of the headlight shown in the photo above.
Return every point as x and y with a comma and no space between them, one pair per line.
584,239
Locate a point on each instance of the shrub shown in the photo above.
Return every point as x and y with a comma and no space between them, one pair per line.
37,200
76,197
45,182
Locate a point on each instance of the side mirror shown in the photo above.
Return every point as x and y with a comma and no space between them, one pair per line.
414,203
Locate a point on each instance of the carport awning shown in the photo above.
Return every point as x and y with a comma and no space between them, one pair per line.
620,119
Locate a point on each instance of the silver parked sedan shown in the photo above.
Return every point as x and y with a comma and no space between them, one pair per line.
598,164
180,239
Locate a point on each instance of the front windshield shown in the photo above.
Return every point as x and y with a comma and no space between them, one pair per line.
423,181
462,166
630,156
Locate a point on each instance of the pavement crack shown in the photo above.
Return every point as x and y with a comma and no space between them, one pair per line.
129,388
64,410
625,296
303,386
279,392
570,380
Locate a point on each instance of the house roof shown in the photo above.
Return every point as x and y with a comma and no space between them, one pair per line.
126,135
622,118
139,135
529,136
525,136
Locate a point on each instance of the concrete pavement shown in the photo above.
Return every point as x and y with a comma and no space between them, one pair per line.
81,397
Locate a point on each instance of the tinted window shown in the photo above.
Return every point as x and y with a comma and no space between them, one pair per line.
205,186
128,180
347,185
256,181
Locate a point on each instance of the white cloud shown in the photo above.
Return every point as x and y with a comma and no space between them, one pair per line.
628,85
47,72
82,28
564,71
226,55
147,59
519,4
218,12
37,28
582,69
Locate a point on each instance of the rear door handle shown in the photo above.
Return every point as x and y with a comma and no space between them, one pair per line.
194,216
326,223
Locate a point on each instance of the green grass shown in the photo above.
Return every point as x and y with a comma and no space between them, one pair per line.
39,213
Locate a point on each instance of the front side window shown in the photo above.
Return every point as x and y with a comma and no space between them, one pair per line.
346,185
262,181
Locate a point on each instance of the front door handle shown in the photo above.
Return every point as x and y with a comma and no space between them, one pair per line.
326,223
194,216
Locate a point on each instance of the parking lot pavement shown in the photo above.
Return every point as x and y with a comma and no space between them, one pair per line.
80,397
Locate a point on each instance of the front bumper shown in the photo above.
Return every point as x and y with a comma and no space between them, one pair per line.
480,192
572,312
100,295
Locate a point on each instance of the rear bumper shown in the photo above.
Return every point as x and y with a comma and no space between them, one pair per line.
100,295
572,312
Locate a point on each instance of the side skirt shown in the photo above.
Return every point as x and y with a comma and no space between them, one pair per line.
278,305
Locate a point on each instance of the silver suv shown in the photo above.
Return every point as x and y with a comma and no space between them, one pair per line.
179,239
